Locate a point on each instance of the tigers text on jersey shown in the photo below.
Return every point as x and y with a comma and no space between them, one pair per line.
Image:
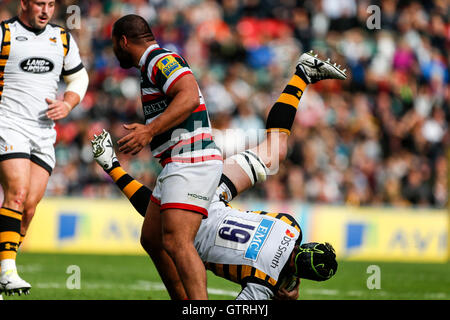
31,63
189,142
246,246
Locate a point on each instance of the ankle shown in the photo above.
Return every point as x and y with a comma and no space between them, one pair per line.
7,264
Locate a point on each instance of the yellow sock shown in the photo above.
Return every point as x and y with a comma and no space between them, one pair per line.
282,115
10,221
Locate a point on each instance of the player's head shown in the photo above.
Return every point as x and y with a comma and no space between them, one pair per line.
130,29
315,261
37,13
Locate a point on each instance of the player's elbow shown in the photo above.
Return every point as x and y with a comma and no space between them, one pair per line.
193,101
185,92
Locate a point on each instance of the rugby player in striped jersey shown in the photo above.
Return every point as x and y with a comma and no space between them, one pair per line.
178,130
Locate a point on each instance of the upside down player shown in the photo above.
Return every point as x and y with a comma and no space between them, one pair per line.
33,55
261,251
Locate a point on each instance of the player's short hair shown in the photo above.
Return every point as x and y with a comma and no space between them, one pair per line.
133,27
315,261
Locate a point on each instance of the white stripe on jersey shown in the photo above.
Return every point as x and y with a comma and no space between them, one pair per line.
150,91
174,77
196,153
182,136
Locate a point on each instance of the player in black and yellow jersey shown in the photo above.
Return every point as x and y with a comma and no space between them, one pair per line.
260,250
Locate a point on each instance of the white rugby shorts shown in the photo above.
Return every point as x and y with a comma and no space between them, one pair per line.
21,141
188,186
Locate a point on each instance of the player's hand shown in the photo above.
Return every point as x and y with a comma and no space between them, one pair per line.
136,140
57,109
283,294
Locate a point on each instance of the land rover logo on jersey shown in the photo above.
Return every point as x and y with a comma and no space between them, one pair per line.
21,38
36,65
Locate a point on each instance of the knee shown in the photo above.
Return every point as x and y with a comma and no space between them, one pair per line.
168,243
151,245
15,198
282,147
174,244
283,152
276,147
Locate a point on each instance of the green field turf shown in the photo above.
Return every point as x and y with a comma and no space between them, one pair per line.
108,277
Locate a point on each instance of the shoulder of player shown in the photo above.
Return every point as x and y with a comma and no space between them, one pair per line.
7,24
10,21
57,26
157,54
285,217
62,30
4,25
162,61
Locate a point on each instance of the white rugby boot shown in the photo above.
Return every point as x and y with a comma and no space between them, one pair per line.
316,69
11,283
103,150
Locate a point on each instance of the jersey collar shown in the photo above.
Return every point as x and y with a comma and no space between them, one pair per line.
145,54
34,30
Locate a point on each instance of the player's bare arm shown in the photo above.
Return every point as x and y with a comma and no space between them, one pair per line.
59,109
77,84
284,294
185,99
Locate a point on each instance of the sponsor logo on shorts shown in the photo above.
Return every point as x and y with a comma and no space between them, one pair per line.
258,239
197,196
36,65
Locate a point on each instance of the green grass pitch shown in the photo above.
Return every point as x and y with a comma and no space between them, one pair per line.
109,277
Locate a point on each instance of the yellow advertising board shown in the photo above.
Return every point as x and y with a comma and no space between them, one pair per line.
383,233
85,226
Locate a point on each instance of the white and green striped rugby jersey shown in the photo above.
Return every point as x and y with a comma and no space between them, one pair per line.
189,142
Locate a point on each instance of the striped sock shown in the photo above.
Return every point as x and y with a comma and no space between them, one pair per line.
10,221
22,236
136,192
282,115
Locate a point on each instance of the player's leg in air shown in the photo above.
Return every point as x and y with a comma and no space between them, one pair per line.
252,166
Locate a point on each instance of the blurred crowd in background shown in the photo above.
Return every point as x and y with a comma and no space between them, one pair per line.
378,138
